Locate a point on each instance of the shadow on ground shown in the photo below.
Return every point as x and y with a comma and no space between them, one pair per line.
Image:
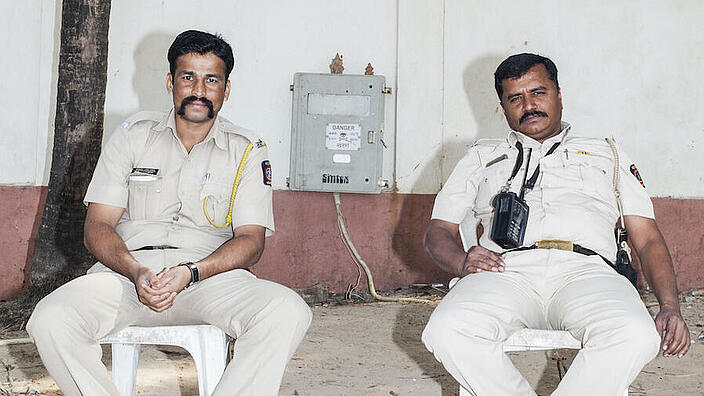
407,330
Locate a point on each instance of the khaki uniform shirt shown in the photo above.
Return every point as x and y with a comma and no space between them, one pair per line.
145,169
573,199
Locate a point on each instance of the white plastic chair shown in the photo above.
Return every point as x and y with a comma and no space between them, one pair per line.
207,345
525,339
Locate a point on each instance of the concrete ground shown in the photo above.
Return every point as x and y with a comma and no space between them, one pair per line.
367,349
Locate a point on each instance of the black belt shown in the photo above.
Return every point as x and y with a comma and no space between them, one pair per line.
562,245
157,247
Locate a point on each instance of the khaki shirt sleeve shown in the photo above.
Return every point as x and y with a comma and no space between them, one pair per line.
634,197
109,183
456,199
253,202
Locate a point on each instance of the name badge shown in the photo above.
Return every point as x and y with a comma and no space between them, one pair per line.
143,174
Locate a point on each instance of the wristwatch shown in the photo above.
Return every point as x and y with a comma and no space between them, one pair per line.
194,272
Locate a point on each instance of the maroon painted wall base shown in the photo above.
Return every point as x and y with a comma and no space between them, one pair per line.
20,213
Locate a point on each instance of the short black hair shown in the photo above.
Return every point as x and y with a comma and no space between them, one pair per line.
194,41
517,65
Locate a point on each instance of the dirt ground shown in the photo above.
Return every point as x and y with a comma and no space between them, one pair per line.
368,349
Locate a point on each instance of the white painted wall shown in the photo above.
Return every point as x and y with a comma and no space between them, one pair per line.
29,73
419,117
628,69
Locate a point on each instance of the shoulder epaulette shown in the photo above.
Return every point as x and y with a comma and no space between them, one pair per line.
250,135
594,144
489,142
487,146
154,116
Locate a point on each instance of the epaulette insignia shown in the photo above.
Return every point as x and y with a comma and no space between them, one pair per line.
495,160
260,143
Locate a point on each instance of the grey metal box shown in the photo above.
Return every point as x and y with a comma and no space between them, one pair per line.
337,133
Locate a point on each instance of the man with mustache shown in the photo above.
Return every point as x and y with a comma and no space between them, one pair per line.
178,209
558,277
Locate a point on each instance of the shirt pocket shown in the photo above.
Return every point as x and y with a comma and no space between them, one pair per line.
597,173
144,198
582,174
560,171
488,185
215,202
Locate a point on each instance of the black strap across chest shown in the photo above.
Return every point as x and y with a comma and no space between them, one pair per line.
530,183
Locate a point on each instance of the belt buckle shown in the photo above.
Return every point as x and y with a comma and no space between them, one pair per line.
555,244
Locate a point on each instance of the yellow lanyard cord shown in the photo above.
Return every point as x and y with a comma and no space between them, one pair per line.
238,176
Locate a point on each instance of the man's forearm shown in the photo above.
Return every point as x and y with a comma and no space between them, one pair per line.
657,269
109,248
442,246
239,252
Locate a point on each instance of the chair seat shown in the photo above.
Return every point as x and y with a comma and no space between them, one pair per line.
534,339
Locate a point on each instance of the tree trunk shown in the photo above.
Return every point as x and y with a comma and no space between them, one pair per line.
59,255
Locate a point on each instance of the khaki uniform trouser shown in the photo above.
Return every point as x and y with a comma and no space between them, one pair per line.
543,289
268,321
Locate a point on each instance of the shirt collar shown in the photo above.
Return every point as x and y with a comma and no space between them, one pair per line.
527,141
217,131
167,122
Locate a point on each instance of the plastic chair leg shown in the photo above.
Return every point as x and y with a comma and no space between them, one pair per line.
209,355
124,367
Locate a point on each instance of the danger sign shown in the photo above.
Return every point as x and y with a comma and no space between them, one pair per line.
343,136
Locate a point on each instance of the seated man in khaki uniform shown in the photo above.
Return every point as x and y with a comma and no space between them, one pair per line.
566,182
178,209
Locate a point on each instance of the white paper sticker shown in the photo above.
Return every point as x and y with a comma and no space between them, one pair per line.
341,158
343,136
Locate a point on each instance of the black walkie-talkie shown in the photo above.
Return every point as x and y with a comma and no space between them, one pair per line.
510,220
510,210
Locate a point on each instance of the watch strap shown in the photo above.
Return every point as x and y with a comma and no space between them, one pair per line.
194,272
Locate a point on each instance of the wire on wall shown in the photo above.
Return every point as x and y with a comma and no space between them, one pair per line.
360,262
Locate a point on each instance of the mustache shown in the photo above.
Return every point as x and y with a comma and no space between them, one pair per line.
182,109
532,113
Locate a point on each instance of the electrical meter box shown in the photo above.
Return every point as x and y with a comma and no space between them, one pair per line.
337,131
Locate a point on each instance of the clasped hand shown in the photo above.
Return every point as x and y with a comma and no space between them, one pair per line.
158,291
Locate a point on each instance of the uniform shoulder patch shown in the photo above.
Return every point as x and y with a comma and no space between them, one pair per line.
636,174
266,172
259,143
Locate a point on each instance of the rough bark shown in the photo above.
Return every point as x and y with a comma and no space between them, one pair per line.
59,254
